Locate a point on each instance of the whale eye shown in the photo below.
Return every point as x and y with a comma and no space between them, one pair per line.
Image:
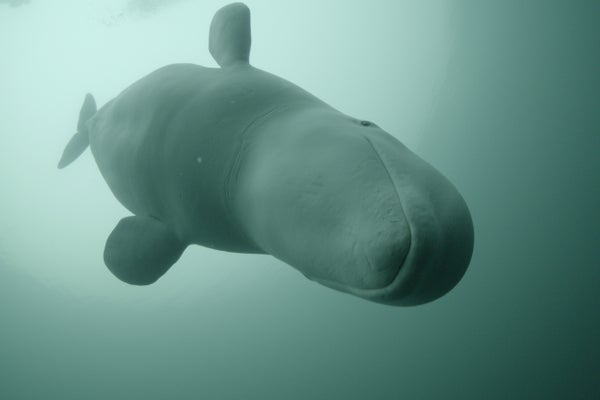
366,123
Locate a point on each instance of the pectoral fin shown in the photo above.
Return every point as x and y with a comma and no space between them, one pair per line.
141,249
230,36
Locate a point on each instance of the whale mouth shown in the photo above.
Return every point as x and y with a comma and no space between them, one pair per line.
394,277
395,265
429,246
380,238
393,242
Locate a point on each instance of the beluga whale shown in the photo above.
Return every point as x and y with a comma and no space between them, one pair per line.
237,159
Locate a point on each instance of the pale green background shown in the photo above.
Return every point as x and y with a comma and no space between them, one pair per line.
503,97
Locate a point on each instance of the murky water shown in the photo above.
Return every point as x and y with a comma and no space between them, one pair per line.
502,97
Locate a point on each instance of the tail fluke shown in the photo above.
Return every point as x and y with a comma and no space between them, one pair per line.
80,141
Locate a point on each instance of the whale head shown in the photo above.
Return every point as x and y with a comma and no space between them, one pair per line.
354,209
436,223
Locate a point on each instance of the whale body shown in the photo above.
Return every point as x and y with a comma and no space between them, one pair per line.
237,159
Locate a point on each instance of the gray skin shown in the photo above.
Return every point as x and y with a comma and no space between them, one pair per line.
240,160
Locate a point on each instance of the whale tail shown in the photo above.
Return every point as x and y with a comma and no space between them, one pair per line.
80,140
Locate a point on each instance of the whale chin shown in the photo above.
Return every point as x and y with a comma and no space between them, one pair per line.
436,259
439,230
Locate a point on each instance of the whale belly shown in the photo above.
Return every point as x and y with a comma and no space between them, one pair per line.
166,145
128,136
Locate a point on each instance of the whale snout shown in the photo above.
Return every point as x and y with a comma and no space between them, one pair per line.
439,225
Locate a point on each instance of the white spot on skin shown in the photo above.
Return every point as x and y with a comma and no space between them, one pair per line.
199,159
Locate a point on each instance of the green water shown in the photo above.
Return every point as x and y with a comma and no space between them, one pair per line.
502,97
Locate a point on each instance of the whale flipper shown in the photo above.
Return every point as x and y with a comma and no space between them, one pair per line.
80,140
141,249
230,38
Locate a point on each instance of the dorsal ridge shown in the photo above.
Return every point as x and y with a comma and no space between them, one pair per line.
230,36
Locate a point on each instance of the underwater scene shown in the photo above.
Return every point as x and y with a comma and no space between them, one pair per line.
299,199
